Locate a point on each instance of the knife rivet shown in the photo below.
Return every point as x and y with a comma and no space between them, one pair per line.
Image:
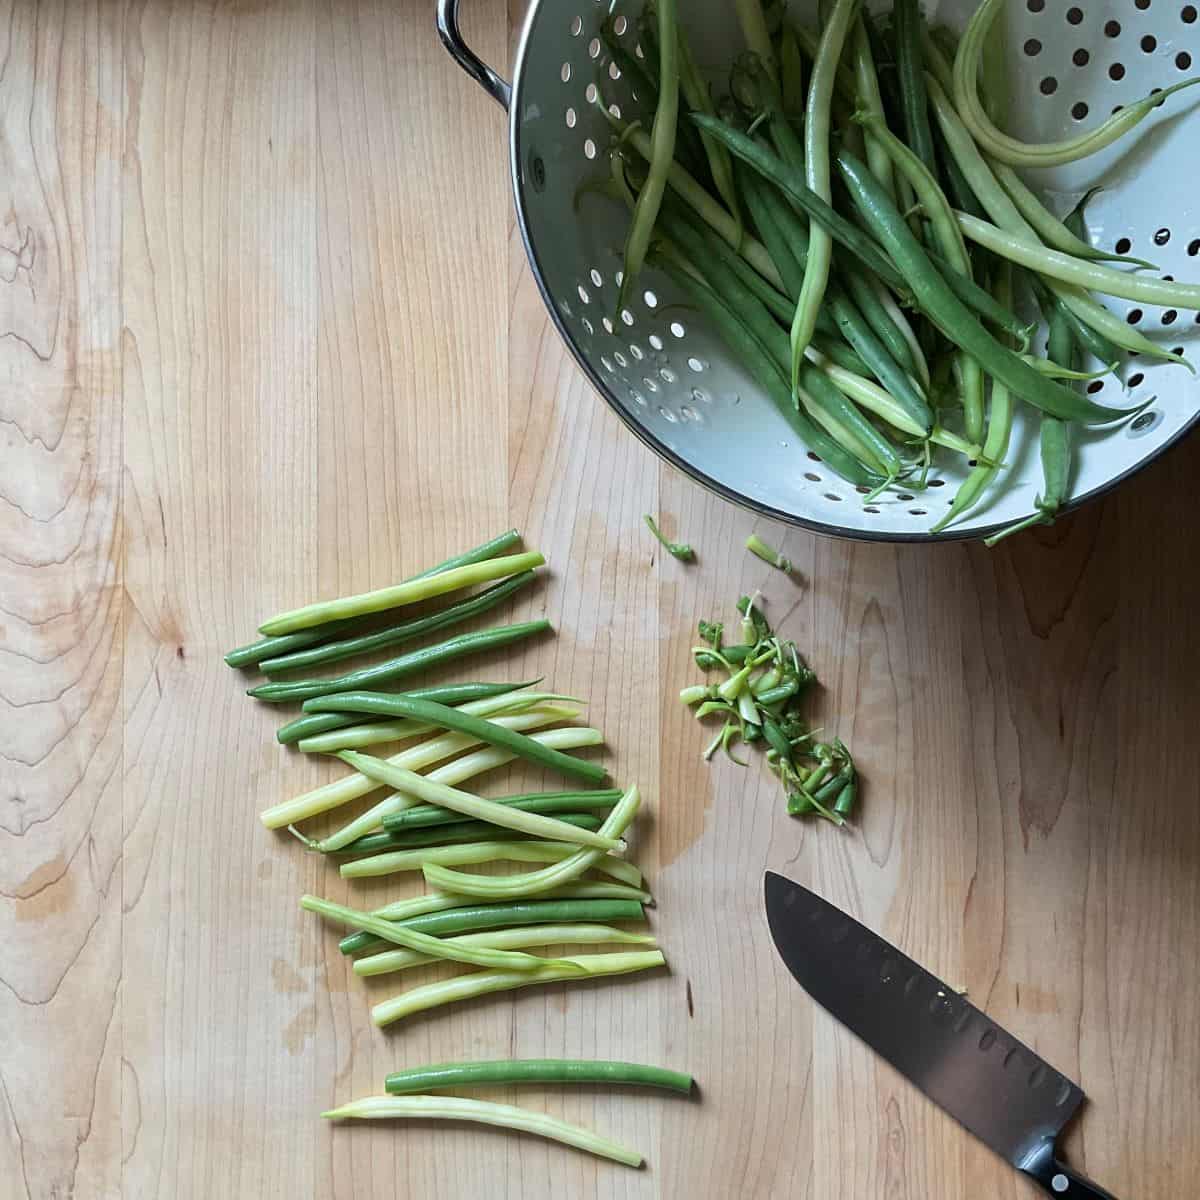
1060,1183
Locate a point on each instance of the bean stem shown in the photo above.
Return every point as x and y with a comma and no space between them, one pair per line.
533,1070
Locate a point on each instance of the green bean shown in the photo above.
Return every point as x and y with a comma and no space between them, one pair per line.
423,816
454,693
995,445
455,834
696,93
909,67
533,1070
1047,226
403,664
772,168
509,887
810,43
1092,275
956,185
441,915
459,721
284,644
871,101
411,939
981,302
352,786
526,937
482,1112
750,351
480,983
843,806
757,91
869,297
949,240
791,74
827,404
951,316
818,178
645,213
1023,154
395,635
754,29
842,356
782,253
869,395
409,592
427,858
476,807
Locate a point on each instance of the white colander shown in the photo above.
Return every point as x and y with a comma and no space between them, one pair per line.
668,375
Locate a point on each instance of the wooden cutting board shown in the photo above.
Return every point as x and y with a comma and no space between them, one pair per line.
267,333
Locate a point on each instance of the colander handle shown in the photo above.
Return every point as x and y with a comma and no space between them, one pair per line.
447,26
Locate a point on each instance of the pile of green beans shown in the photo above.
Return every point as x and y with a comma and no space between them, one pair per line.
850,241
761,700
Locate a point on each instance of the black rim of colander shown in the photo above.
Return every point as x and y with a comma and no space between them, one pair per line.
824,528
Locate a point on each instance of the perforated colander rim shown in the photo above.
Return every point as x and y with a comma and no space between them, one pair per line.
681,464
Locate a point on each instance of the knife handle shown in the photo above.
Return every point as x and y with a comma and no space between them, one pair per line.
1057,1179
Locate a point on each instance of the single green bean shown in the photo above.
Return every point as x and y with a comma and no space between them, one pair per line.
456,833
791,74
423,816
533,1070
476,807
480,983
455,719
982,303
869,299
772,168
404,664
411,939
871,101
409,592
645,213
783,255
951,316
818,177
395,635
453,693
1095,276
442,915
1024,154
906,17
274,646
482,1112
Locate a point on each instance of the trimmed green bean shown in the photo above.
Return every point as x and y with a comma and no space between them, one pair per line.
533,1070
411,939
645,212
951,316
440,914
1025,154
423,816
480,983
476,807
459,721
455,833
909,67
396,635
482,1112
404,664
409,592
310,725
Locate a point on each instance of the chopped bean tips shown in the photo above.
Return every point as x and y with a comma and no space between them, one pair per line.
679,550
761,701
768,554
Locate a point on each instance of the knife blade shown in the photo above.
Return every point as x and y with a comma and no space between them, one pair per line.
988,1080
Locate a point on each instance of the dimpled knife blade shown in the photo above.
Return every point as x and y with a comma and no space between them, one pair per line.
988,1080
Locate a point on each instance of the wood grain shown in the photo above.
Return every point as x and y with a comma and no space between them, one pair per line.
267,332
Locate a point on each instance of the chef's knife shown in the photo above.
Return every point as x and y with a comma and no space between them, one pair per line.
980,1074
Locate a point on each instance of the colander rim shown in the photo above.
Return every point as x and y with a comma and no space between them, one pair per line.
681,464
